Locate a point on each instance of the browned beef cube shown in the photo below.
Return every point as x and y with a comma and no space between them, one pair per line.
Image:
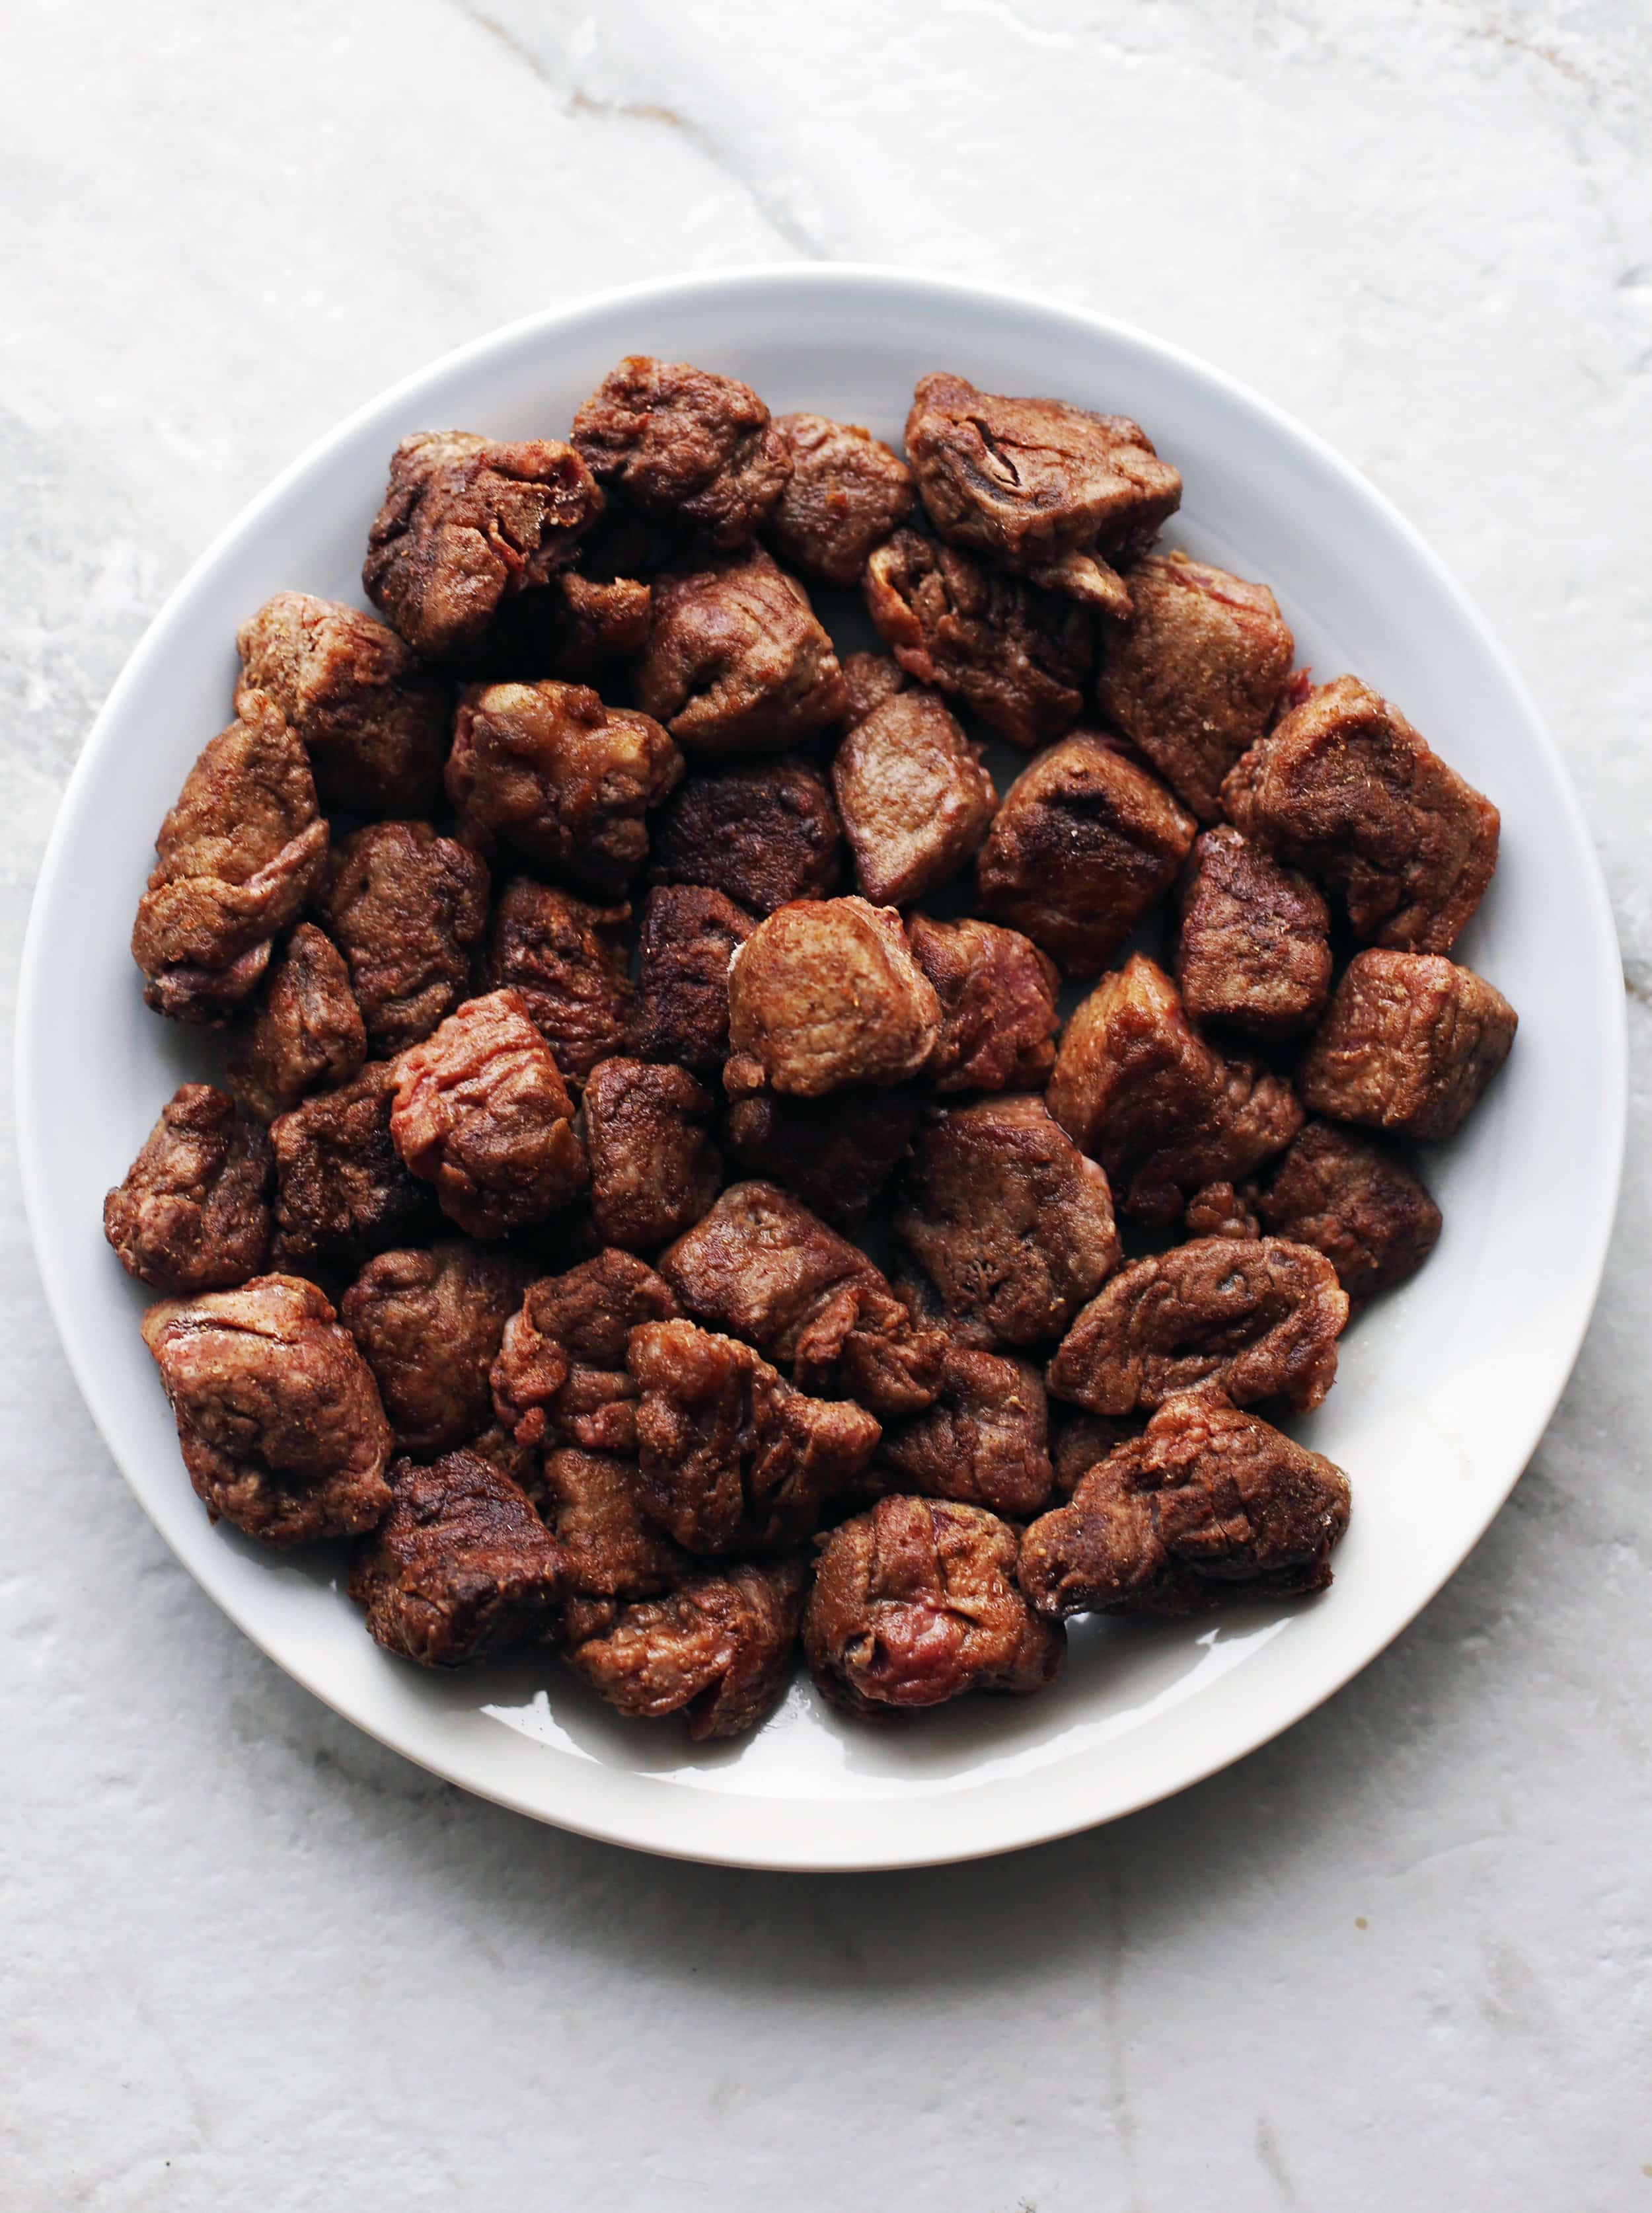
428,1325
684,445
592,1503
689,937
572,965
341,1191
655,1170
1410,1043
561,1374
985,1441
1252,947
835,1154
915,794
736,662
305,1031
1225,1209
869,678
193,1211
998,995
823,993
1350,1199
847,491
407,909
762,833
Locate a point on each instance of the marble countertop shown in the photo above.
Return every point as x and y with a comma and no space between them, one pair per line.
1401,1957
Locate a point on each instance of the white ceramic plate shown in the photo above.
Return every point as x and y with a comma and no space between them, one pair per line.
1444,1387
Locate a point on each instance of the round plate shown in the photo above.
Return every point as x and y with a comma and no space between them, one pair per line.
1445,1386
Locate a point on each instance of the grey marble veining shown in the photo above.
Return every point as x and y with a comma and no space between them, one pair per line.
1401,1957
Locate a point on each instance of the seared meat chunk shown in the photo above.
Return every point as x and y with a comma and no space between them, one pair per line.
278,1417
1350,1199
735,661
916,1603
824,993
372,719
482,1112
869,678
1252,947
341,1191
847,491
428,1325
586,618
1410,1044
1078,1440
407,909
1193,678
1141,1091
1346,789
762,833
237,860
1048,489
914,796
561,1374
684,445
571,964
1206,1502
460,1567
466,523
1018,657
1084,844
654,1168
305,1031
1006,1216
762,1267
689,937
1222,1210
998,995
719,1648
1256,1320
193,1211
549,770
835,1154
732,1458
985,1441
592,1503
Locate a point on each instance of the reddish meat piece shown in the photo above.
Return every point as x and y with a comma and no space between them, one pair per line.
689,937
407,909
824,993
1195,676
1345,788
1207,1501
561,1374
984,1442
341,1190
1410,1044
1254,1321
1352,1200
571,964
305,1033
1252,947
914,796
429,1325
593,1506
762,834
735,661
835,1154
279,1420
869,678
461,1568
998,995
1084,844
847,491
683,444
916,1603
654,1168
193,1211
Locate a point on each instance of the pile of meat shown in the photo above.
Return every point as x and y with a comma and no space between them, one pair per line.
598,954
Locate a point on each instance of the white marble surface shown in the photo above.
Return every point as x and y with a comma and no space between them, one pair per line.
1400,1958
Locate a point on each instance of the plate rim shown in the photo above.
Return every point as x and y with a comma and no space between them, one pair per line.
978,298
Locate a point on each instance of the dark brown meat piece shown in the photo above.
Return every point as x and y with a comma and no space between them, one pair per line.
1207,1501
237,860
1007,1218
592,1504
1084,844
407,909
428,1325
461,1567
998,995
1078,1440
835,1154
847,491
466,523
731,1458
914,796
762,834
373,720
824,993
561,1374
689,937
1252,947
1018,657
869,678
719,1649
685,445
278,1417
482,1112
571,963
1139,1091
1221,1209
305,1033
1256,1320
736,662
193,1211
341,1190
1048,489
985,1441
1352,1200
1194,678
549,770
916,1603
655,1170
1410,1044
1345,788
763,1268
